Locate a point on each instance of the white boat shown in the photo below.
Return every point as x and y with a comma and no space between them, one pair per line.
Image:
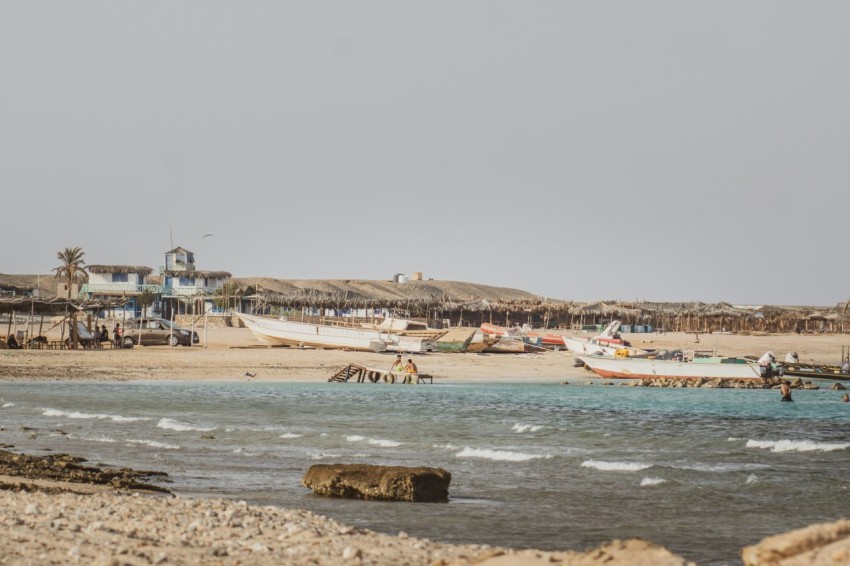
290,333
653,368
405,335
606,343
408,344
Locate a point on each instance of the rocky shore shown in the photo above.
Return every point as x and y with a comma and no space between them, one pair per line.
48,518
720,383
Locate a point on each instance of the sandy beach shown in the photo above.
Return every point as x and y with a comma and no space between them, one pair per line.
231,353
49,522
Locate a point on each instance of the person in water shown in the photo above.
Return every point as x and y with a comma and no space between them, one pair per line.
785,389
846,398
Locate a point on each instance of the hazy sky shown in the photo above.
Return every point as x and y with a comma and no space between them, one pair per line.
579,150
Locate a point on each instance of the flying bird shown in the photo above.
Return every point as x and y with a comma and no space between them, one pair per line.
207,235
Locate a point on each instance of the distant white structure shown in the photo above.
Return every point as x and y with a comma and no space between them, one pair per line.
181,280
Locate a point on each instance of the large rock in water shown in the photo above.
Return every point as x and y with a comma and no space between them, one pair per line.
390,483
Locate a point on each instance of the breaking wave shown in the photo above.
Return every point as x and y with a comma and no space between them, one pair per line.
99,416
615,466
520,428
154,444
647,482
797,445
498,455
171,424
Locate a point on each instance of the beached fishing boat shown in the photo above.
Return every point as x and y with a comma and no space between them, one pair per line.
818,371
404,335
455,340
552,341
606,343
656,368
290,333
506,345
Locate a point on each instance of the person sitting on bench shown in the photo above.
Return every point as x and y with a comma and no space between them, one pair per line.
12,342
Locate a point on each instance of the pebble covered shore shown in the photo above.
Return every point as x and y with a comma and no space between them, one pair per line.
113,529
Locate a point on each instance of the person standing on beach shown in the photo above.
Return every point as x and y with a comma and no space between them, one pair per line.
116,334
398,366
785,389
766,364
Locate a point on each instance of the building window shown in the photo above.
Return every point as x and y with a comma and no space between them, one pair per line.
187,281
119,278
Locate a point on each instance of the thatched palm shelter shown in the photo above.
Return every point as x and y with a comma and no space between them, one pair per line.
140,269
34,309
473,304
437,300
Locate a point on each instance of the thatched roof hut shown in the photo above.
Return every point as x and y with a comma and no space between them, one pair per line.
470,301
418,296
140,269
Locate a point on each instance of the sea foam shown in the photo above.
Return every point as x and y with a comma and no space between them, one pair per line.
7,405
648,482
171,424
290,435
615,466
797,445
384,443
92,438
155,444
99,416
498,455
520,428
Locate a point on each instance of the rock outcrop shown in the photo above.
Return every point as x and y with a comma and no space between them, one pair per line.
719,383
30,471
825,544
390,483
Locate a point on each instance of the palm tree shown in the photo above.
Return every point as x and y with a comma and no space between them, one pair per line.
73,270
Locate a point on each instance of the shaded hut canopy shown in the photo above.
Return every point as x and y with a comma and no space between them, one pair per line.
54,304
412,295
140,269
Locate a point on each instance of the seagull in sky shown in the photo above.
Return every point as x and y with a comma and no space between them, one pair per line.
207,235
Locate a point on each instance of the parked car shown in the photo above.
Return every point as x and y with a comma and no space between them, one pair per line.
155,331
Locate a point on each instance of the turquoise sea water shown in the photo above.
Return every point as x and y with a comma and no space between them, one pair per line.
702,472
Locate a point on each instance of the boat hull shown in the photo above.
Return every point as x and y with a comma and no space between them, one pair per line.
643,368
292,333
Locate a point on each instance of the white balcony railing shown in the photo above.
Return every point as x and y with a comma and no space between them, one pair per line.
134,289
188,291
112,288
